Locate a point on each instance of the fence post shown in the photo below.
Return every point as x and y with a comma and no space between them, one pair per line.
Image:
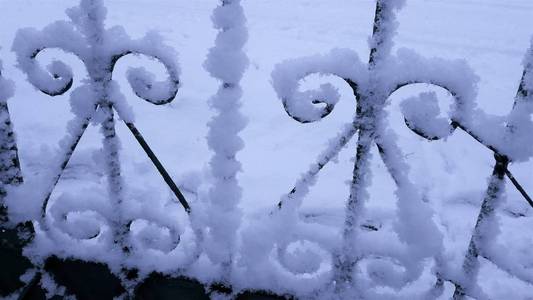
494,192
13,237
10,173
227,62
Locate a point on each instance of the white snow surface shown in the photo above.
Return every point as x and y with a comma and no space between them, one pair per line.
6,87
449,175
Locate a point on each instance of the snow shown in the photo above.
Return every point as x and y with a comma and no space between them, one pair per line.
227,62
7,88
422,115
343,63
288,250
10,173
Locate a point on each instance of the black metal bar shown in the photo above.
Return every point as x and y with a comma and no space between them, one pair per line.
476,137
487,209
519,187
343,141
340,143
10,170
375,30
25,293
68,155
11,143
508,173
138,136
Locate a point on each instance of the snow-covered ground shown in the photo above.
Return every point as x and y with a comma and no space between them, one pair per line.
492,35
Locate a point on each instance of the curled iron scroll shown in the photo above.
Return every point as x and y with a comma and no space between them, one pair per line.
463,109
57,79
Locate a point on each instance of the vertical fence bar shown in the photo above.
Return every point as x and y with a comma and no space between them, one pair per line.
369,110
10,172
13,237
480,236
495,189
223,136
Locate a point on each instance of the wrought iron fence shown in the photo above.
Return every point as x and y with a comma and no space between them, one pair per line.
89,41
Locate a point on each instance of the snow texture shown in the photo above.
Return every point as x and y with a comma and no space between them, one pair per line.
105,225
302,106
422,115
423,241
9,164
227,62
419,237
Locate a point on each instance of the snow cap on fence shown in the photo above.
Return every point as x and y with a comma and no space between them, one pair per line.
90,17
143,82
99,49
58,77
227,60
422,113
311,106
453,75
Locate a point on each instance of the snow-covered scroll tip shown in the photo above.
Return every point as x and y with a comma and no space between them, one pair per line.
311,106
455,76
57,78
422,117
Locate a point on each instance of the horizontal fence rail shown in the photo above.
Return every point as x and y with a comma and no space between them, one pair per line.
215,234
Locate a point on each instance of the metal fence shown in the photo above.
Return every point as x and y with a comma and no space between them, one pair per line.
93,280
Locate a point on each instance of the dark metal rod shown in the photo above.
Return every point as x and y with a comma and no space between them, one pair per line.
508,173
344,140
340,142
68,155
488,208
519,187
138,136
34,281
476,137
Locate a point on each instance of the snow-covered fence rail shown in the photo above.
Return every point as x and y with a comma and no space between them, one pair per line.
372,85
96,101
44,258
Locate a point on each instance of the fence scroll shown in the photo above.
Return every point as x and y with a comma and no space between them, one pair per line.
41,258
372,85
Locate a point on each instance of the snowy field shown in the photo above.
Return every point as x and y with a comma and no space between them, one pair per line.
492,35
